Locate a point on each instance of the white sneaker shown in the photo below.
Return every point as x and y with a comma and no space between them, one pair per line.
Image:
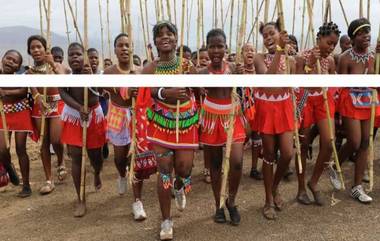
334,179
366,176
138,211
166,230
358,193
122,185
180,199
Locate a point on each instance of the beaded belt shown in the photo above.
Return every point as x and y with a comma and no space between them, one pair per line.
16,107
53,98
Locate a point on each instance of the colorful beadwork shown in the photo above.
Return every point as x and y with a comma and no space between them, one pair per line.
166,182
168,67
186,184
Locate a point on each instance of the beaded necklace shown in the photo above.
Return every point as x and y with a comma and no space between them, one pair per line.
225,69
41,69
249,70
168,67
269,59
360,58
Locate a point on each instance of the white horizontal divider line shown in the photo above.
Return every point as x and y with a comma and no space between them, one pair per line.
189,80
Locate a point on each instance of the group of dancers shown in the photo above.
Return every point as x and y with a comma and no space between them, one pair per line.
167,125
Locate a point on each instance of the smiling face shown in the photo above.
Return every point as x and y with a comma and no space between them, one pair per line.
248,54
165,41
216,49
75,59
37,51
271,37
11,63
362,38
327,44
121,50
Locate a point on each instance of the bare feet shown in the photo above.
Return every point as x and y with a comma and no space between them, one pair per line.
278,202
80,209
97,182
269,212
303,198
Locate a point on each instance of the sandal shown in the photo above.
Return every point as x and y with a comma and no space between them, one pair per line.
47,188
61,173
278,202
318,197
269,212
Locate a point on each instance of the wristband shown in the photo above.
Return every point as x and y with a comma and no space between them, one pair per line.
159,93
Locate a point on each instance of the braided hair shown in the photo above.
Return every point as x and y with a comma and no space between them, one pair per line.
327,29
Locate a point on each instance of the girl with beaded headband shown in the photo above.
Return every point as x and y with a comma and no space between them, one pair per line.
17,112
50,106
171,153
314,112
274,115
215,122
119,124
355,103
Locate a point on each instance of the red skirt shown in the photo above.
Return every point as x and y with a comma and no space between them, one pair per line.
377,122
315,110
161,128
214,123
347,109
72,128
18,121
274,113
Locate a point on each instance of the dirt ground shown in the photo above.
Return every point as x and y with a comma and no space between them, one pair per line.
109,215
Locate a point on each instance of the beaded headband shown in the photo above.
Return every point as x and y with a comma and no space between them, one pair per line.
360,27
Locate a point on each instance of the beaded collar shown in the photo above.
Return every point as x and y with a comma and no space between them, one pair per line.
168,67
41,69
360,58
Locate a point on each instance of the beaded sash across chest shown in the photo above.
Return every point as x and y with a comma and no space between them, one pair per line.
168,67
